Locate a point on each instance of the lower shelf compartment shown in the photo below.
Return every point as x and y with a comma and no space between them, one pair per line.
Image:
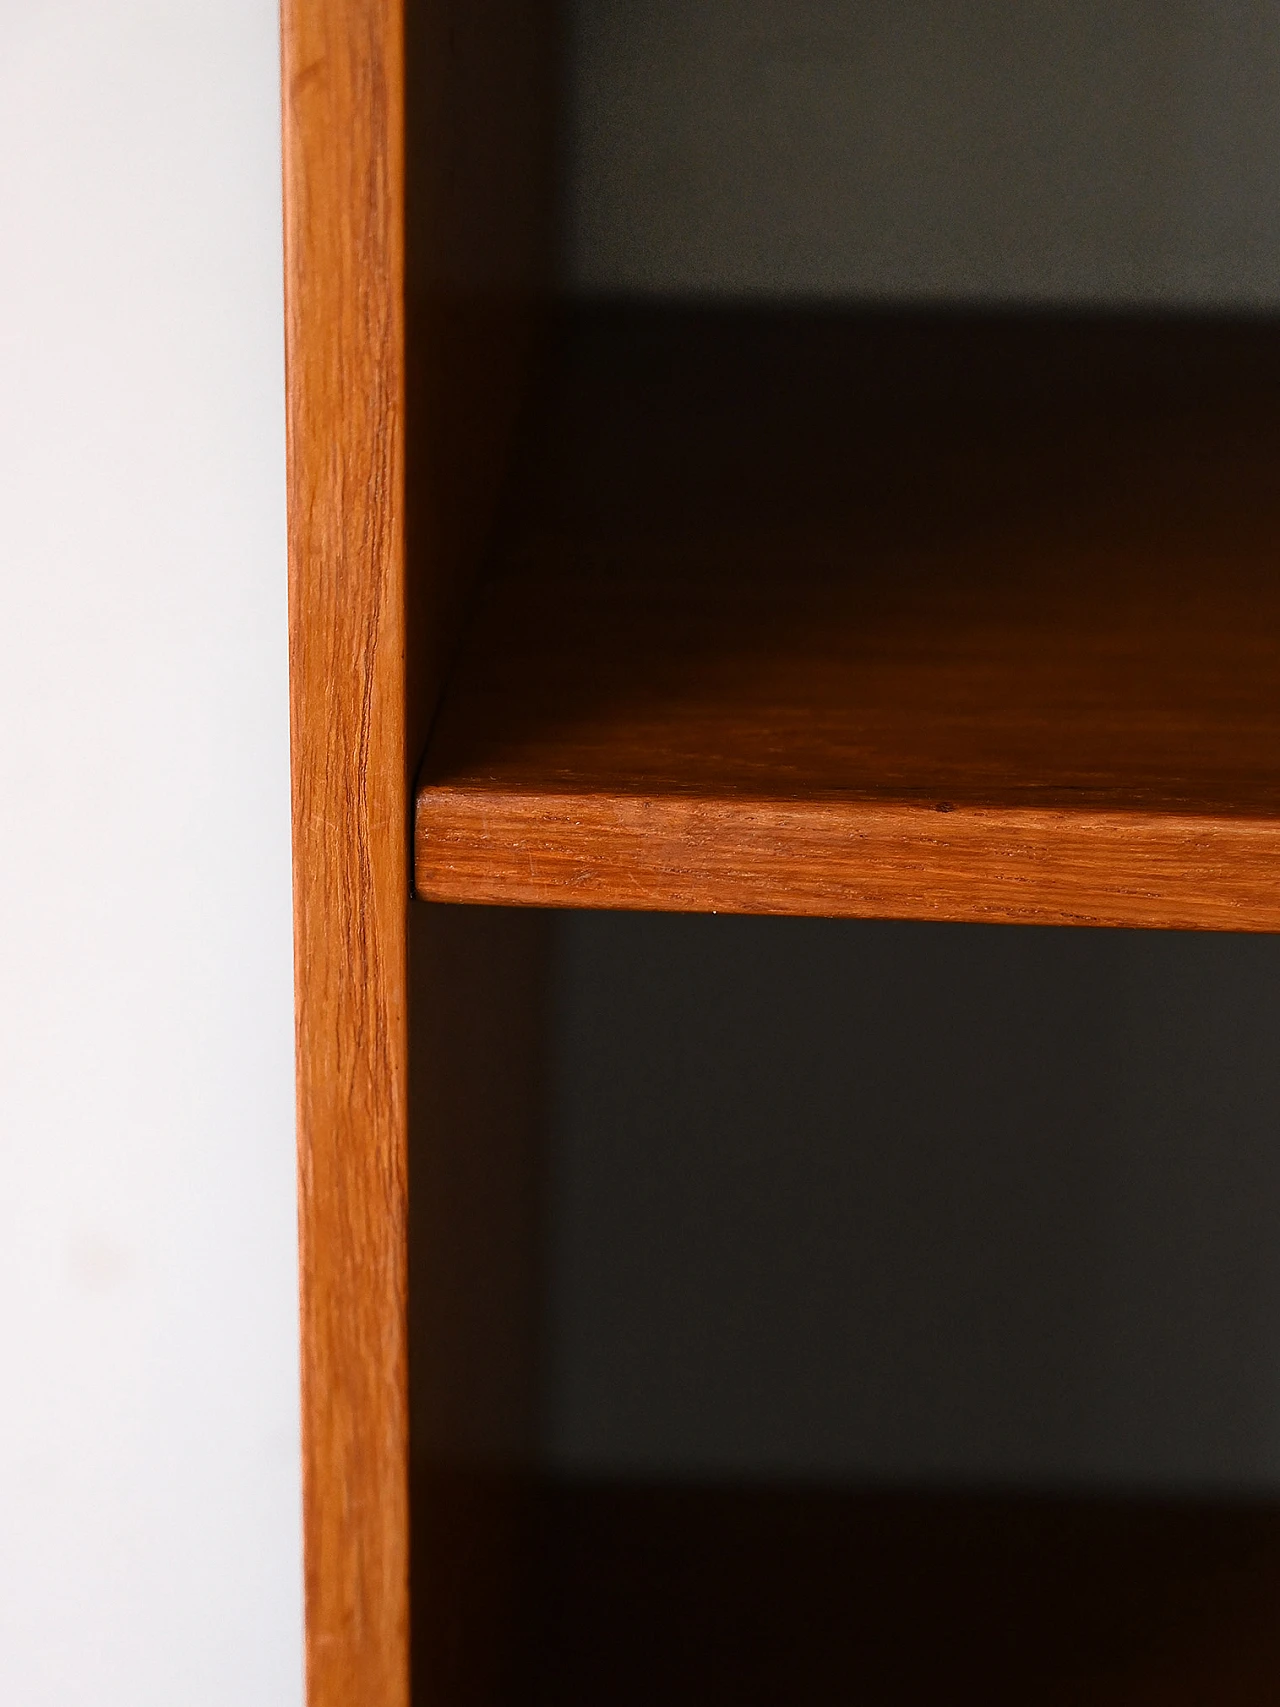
803,1597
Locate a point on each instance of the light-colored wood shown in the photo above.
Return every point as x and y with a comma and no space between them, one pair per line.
859,859
344,261
418,237
930,618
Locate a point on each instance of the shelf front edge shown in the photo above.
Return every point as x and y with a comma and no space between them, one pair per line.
678,853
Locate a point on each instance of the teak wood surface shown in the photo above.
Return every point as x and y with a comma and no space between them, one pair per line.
417,231
919,616
344,270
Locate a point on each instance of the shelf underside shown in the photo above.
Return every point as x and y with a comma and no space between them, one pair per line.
804,1598
915,616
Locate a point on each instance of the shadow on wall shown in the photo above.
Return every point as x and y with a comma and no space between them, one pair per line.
851,1200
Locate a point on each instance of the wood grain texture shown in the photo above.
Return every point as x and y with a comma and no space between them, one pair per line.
344,261
807,1596
418,236
969,618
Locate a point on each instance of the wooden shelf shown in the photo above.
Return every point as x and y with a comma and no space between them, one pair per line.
917,616
765,1596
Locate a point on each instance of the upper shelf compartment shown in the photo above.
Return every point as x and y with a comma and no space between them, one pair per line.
881,615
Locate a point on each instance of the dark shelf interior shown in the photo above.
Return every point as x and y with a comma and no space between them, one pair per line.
795,1597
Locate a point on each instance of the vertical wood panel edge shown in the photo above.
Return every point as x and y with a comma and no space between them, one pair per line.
343,95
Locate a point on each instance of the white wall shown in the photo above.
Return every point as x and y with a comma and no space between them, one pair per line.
1068,150
149,1500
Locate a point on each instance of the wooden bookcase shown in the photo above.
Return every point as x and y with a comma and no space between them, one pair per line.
934,616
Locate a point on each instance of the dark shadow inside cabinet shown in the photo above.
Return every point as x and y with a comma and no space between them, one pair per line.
883,1310
809,1310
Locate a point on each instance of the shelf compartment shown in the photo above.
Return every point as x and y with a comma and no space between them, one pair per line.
762,1595
932,616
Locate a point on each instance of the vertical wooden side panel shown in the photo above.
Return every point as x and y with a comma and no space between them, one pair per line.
344,258
414,299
